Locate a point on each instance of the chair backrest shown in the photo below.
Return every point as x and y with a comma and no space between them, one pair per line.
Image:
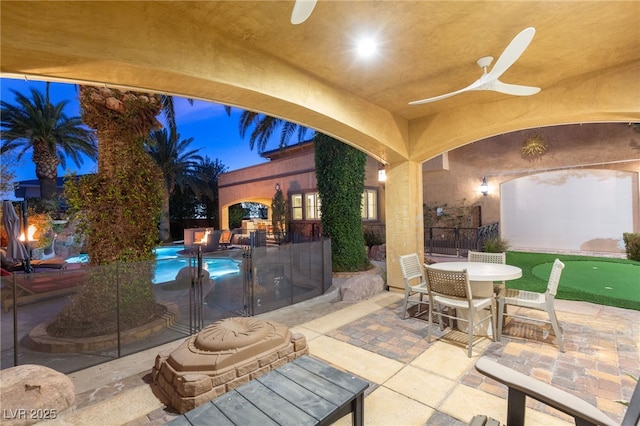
411,269
554,278
480,256
225,237
448,283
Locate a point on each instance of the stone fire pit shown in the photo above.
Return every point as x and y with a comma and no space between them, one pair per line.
221,357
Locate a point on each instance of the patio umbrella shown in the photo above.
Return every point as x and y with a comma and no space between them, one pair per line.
16,251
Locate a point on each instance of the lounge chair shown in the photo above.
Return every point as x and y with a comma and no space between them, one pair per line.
522,386
225,238
53,263
48,263
40,286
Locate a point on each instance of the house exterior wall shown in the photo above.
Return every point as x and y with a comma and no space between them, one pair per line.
455,178
295,173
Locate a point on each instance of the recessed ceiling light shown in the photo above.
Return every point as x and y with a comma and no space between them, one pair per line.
366,47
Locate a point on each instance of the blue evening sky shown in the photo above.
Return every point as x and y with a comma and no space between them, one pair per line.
214,132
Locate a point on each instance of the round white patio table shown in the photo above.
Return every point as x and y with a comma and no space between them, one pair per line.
481,278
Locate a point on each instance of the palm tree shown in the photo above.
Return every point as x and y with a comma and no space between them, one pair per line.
38,125
185,204
179,167
210,170
264,126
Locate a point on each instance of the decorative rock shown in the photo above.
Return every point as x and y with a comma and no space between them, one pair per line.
34,393
378,253
361,287
221,357
184,276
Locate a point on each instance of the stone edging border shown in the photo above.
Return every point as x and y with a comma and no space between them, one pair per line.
373,271
39,340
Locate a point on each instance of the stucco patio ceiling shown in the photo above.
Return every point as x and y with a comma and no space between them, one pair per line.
585,56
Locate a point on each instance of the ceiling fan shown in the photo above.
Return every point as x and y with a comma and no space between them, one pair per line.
302,10
489,80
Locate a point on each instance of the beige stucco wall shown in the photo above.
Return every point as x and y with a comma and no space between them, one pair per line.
613,146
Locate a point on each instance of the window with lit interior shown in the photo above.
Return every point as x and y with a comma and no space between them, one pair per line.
369,207
312,206
296,206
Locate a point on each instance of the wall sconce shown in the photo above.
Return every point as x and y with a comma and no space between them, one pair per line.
382,176
484,188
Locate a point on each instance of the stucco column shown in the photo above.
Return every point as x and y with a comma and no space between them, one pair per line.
224,218
404,222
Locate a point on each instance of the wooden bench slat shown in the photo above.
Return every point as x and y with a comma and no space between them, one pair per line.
340,378
316,384
206,414
306,400
240,411
273,405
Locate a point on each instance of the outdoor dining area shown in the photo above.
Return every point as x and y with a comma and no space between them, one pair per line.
473,292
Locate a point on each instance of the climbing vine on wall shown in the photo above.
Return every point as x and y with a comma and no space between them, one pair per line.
340,172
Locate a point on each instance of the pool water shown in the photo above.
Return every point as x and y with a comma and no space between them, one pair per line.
169,264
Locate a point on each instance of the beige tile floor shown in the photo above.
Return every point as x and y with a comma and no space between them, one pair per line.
439,386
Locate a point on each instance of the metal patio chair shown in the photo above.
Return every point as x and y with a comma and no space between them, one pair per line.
533,300
414,282
452,289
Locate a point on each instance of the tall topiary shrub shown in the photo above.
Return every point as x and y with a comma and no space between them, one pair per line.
340,175
279,216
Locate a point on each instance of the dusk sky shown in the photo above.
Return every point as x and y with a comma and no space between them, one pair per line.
213,130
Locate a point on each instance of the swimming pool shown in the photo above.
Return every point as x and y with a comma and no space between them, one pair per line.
168,263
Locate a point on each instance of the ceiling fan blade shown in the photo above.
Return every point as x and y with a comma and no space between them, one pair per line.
473,86
514,89
437,98
513,51
302,10
489,80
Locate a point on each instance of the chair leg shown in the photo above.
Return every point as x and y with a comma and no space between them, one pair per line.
430,322
422,302
493,323
501,312
556,327
406,302
440,322
470,329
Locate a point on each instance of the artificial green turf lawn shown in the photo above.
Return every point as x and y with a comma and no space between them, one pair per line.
615,282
